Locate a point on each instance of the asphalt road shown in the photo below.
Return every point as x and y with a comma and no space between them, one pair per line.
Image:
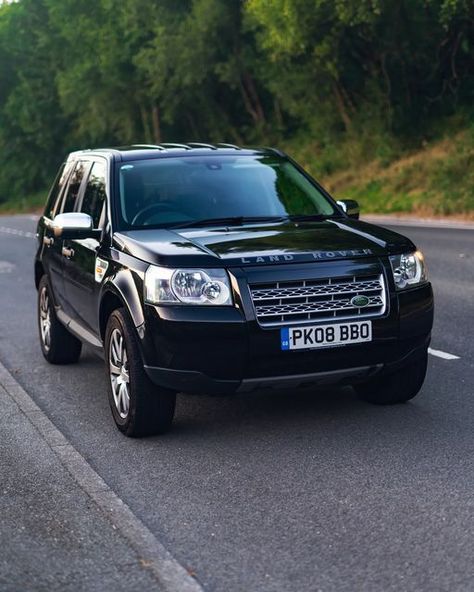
297,491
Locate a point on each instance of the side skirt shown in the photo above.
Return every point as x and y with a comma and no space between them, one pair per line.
80,331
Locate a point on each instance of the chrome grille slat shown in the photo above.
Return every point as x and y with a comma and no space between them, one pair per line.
284,302
266,311
325,290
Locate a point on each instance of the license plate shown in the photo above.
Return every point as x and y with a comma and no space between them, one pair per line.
315,336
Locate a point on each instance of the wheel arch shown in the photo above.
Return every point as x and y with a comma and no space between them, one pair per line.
121,292
39,272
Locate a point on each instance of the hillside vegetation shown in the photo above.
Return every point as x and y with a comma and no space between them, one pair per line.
374,97
436,180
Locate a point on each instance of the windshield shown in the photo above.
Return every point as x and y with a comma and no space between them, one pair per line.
176,191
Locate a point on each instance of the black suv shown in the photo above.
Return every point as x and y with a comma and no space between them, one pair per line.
215,269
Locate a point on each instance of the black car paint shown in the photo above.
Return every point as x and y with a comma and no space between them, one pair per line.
267,244
221,349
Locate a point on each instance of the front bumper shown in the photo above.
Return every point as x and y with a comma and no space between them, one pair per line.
192,381
205,350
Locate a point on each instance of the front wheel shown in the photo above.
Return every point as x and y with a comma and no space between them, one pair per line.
398,387
139,408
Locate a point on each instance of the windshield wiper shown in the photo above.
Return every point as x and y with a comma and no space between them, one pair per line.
312,217
228,221
241,220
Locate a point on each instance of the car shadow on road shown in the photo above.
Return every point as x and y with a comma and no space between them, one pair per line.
303,410
301,413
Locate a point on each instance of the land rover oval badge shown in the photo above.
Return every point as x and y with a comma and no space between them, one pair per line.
359,301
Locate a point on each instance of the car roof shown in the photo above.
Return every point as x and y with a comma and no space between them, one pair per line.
167,149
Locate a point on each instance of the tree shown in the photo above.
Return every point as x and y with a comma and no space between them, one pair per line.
32,125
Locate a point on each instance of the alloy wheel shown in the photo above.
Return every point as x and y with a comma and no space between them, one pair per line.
119,374
45,319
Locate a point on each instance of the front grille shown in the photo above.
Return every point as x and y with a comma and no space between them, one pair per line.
326,299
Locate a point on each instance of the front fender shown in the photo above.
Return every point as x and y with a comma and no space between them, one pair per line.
126,286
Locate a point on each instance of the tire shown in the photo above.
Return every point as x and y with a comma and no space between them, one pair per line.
57,344
398,387
139,407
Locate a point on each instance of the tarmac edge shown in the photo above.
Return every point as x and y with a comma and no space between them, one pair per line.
168,572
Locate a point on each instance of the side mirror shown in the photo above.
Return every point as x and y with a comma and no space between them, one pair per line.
350,207
74,225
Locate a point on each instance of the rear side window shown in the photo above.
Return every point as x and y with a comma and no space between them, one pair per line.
74,186
94,194
57,189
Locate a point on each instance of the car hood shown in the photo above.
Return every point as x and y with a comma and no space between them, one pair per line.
258,244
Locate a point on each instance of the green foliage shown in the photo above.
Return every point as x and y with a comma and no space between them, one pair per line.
454,181
30,116
338,83
25,202
437,179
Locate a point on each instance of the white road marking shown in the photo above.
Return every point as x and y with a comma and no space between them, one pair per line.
170,575
441,354
6,267
16,232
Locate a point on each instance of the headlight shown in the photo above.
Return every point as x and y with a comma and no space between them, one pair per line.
187,286
408,269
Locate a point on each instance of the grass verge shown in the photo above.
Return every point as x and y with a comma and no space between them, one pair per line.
33,203
435,181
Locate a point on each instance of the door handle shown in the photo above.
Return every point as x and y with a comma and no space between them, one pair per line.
67,252
49,242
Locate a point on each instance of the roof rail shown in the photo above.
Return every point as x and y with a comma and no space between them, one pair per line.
225,145
201,145
173,145
187,146
156,146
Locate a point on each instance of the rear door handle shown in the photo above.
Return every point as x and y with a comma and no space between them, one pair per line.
49,242
67,252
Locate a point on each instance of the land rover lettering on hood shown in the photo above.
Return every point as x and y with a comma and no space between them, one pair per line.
215,269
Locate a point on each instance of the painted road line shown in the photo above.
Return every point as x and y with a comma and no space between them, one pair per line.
441,354
170,575
16,232
6,267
